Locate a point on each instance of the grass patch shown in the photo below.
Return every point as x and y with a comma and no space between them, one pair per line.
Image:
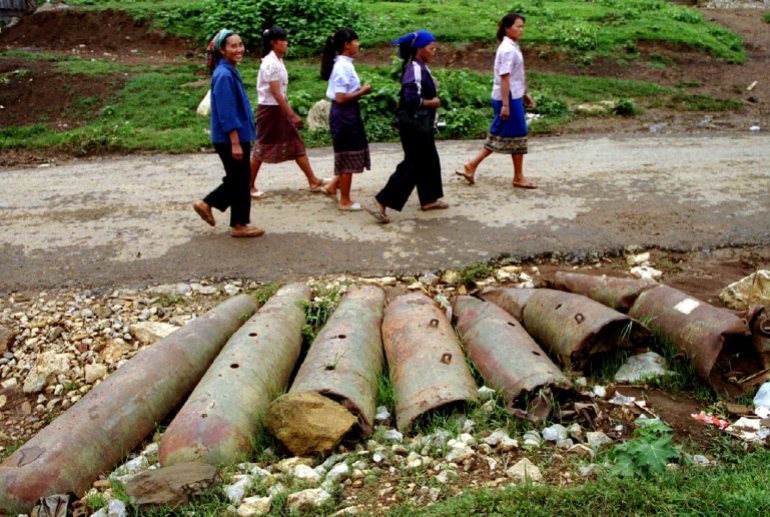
734,487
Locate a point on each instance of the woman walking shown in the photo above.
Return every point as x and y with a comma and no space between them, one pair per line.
232,132
416,119
351,149
277,137
508,133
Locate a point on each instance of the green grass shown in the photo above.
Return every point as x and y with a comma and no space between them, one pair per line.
766,17
734,488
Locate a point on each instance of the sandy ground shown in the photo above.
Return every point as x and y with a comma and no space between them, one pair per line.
128,221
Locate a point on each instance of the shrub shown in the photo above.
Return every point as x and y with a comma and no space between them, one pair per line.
625,108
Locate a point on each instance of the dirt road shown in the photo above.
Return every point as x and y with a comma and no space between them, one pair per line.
128,221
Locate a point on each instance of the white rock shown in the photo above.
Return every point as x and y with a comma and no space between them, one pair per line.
565,444
486,393
287,465
46,366
382,414
599,391
700,460
276,490
338,473
583,451
641,367
237,490
554,433
459,452
507,444
495,438
646,273
307,474
116,508
467,439
9,384
231,290
255,506
588,470
596,439
377,457
148,332
94,372
525,472
393,435
575,431
307,499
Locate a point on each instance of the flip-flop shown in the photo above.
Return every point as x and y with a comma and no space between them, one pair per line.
381,217
470,179
525,185
258,194
206,215
325,192
436,205
355,207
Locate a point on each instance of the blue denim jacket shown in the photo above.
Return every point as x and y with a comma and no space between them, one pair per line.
230,107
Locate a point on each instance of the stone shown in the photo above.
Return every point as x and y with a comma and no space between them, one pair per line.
289,464
596,439
254,506
495,438
567,443
115,350
642,367
116,508
47,366
451,277
554,433
583,451
459,452
172,485
599,391
94,372
318,115
308,423
392,435
486,393
507,444
525,472
307,474
9,384
148,332
6,339
575,431
231,290
588,470
700,460
235,491
307,499
338,473
382,414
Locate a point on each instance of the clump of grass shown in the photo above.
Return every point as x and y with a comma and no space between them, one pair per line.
476,271
318,310
625,108
683,379
264,292
386,395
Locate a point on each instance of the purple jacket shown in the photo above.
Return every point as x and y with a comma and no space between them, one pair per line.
416,84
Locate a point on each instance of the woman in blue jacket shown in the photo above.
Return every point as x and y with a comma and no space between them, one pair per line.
416,119
232,133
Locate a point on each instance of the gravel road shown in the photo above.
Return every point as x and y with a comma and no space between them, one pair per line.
128,221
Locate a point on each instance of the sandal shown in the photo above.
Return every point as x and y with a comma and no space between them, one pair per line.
204,211
524,185
378,213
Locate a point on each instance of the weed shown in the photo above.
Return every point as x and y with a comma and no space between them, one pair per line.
169,300
386,395
317,311
264,292
476,271
95,501
625,108
683,378
647,453
10,450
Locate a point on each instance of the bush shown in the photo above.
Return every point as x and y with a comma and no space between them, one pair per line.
308,22
625,108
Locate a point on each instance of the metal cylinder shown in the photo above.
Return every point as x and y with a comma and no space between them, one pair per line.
95,434
426,361
569,326
346,357
709,336
218,422
506,356
614,292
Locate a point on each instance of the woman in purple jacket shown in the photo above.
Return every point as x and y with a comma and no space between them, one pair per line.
415,120
232,132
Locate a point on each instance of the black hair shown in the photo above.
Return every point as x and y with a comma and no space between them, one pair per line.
507,21
406,52
215,54
335,45
269,36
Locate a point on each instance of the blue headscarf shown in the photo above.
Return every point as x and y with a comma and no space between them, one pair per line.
417,39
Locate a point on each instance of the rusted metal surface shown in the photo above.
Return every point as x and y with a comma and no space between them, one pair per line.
220,418
709,336
506,356
346,357
614,292
95,434
426,361
569,326
760,335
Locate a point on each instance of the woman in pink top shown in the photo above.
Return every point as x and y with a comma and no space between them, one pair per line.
508,132
277,137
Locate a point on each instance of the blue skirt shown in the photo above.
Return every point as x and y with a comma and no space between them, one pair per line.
508,136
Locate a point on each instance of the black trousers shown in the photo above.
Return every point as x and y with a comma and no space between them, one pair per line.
233,192
420,168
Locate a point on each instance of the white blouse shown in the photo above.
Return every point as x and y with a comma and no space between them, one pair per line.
509,61
344,78
271,69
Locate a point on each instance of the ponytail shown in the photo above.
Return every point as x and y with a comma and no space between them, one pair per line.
335,45
406,52
327,61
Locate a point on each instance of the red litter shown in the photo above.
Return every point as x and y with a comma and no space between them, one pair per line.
721,424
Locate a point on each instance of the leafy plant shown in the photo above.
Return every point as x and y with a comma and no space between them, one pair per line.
625,108
647,453
317,311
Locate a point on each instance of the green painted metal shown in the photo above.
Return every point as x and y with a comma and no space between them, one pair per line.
569,326
426,361
95,434
346,357
614,292
219,421
506,356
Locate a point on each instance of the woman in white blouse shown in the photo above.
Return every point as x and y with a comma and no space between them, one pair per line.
277,137
508,132
351,148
